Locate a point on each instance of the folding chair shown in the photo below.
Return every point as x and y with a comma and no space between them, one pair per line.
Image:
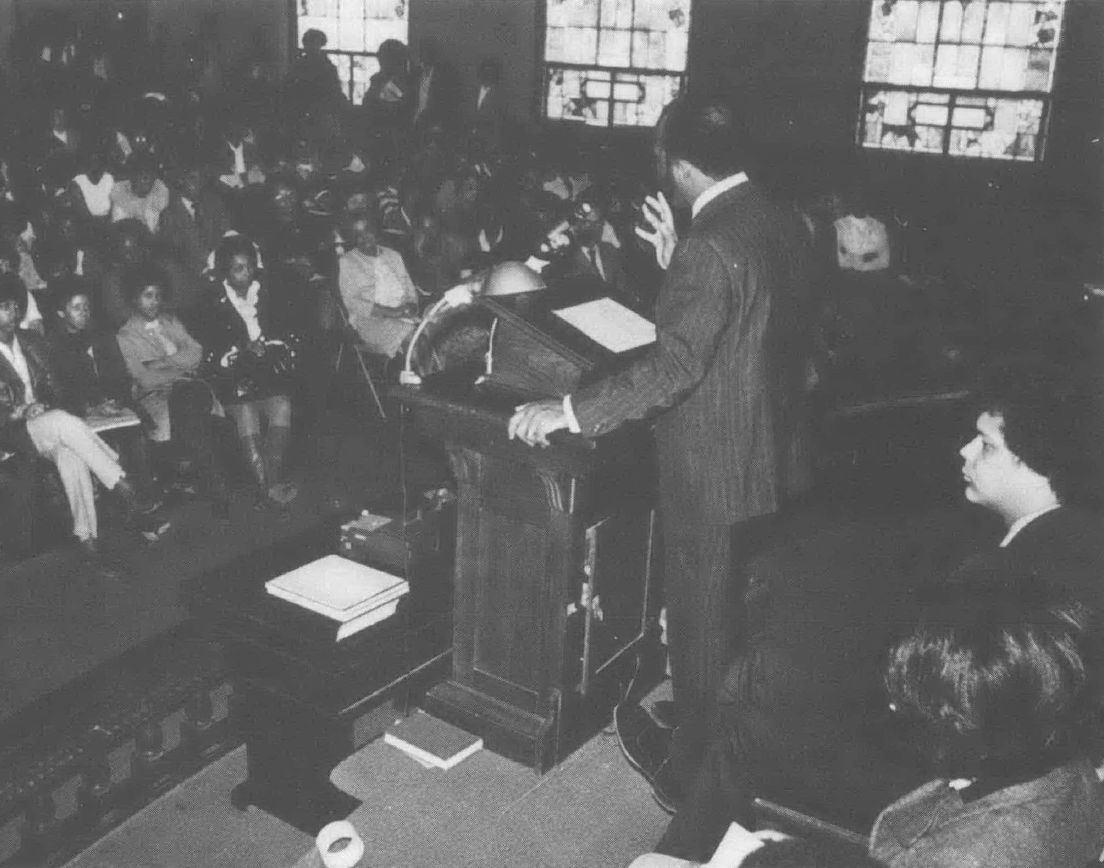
372,364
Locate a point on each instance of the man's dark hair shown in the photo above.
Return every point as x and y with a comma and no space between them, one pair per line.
368,215
705,131
998,678
64,289
131,229
136,279
231,246
1050,419
13,289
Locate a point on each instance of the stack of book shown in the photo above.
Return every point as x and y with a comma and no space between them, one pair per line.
353,596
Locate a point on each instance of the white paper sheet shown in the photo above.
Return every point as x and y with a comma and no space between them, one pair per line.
610,324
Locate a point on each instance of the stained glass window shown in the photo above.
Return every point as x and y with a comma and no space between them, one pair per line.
613,62
354,30
966,78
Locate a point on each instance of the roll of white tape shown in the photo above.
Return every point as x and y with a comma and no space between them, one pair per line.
339,845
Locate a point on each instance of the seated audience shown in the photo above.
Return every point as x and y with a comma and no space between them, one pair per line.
92,185
194,221
236,158
377,290
9,264
793,720
129,246
246,333
30,420
997,685
91,376
593,257
164,361
143,197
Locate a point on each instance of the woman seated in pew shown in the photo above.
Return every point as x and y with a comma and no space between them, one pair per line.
251,362
92,379
164,361
376,288
31,422
997,688
999,684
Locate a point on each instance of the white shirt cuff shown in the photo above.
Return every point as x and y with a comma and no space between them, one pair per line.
569,412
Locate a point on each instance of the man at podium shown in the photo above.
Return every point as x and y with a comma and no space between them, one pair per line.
725,378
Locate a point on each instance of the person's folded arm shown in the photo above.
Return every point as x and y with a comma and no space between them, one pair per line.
189,352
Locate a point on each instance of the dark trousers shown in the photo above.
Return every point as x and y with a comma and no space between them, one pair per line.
18,478
193,427
705,577
761,740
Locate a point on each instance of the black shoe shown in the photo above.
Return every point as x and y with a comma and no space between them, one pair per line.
666,789
643,743
92,558
664,713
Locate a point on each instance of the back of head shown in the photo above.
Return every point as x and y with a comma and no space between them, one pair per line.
705,131
999,677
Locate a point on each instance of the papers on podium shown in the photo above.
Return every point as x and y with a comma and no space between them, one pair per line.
352,595
610,324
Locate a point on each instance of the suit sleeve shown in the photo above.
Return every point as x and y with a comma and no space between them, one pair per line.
693,313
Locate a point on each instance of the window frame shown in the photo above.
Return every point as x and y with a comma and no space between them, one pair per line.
546,67
867,89
342,55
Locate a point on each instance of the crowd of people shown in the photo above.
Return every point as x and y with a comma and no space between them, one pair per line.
184,257
176,261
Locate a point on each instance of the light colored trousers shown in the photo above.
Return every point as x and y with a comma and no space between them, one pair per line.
78,452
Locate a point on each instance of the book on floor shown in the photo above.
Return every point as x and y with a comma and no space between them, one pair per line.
338,588
431,741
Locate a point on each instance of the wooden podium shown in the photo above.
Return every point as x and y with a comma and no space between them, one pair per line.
555,604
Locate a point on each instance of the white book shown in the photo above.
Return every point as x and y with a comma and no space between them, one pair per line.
347,615
355,625
337,587
431,741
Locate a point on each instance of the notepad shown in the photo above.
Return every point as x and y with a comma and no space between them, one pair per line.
610,324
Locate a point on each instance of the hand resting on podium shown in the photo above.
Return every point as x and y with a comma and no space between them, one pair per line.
533,422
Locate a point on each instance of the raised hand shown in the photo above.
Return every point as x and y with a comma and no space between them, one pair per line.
663,236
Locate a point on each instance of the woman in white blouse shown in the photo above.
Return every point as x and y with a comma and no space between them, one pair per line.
376,288
250,363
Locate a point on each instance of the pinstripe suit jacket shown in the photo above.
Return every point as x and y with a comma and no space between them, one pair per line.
728,364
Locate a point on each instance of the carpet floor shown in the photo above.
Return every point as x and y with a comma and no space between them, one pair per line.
591,811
